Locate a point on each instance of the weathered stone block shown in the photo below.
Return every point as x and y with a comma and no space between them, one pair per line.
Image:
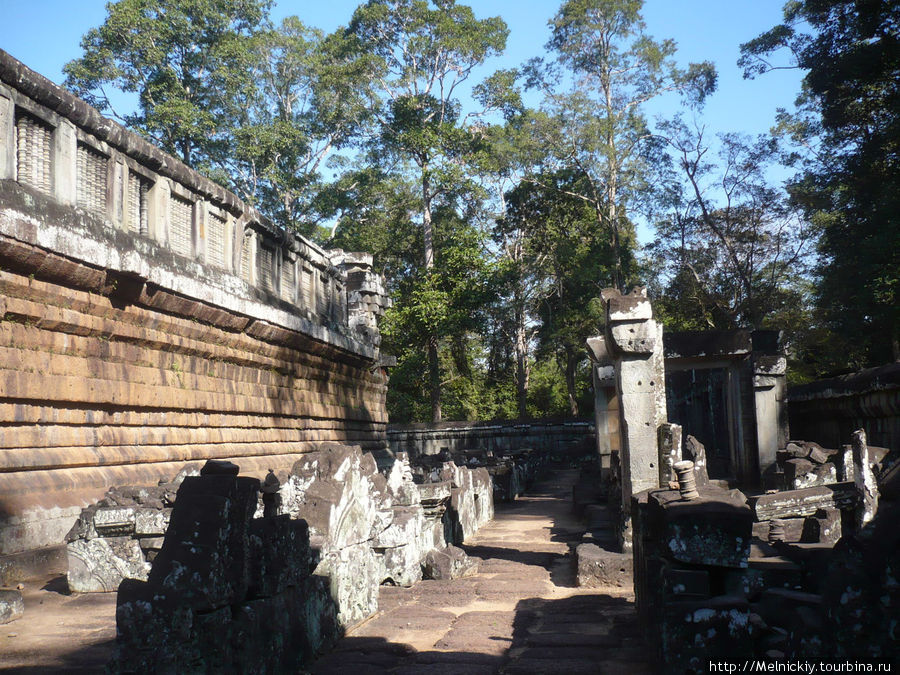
354,579
99,565
697,632
151,522
279,555
804,502
450,563
12,606
823,527
153,629
402,565
209,526
596,568
696,453
686,583
634,337
113,522
712,530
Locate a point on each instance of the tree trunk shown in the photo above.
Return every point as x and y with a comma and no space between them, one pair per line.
427,231
571,362
434,366
434,377
521,365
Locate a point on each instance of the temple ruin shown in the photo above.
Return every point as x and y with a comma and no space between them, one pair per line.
192,420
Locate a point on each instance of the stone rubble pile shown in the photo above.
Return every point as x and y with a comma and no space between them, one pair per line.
803,464
796,575
118,537
216,556
510,472
227,592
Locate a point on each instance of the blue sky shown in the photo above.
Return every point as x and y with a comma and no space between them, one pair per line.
45,34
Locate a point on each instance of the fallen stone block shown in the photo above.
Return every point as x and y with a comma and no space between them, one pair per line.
822,527
695,452
151,522
12,606
596,568
113,522
450,563
804,502
100,565
209,525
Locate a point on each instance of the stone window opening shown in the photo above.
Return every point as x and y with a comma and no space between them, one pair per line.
34,142
91,179
182,226
215,239
266,266
138,203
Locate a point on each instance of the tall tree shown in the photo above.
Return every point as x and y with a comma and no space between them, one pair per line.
847,127
426,51
567,261
187,61
311,98
732,244
606,69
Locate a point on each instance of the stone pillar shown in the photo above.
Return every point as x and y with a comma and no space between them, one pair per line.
7,135
769,387
118,195
65,162
606,422
158,211
669,446
864,478
634,344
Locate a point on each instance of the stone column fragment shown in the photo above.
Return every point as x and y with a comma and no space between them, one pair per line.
864,478
669,446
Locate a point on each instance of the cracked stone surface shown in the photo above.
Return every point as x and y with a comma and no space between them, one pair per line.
520,613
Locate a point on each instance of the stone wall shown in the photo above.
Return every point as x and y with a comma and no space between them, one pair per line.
499,437
828,411
149,317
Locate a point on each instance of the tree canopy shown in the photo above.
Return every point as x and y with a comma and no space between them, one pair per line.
499,202
847,128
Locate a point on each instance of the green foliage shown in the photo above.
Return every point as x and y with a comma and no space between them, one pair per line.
730,247
591,122
847,127
569,262
422,52
187,60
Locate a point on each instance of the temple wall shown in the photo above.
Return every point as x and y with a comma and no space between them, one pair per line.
151,318
829,411
499,437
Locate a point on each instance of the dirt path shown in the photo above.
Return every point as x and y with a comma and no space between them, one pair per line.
519,614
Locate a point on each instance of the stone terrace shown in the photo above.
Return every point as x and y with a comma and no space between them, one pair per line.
519,614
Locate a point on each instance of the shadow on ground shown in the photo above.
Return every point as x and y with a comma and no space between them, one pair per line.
594,634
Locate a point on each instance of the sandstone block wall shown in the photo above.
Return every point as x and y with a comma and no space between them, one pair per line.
828,411
148,317
500,437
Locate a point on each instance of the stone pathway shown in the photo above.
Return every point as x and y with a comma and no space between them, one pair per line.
519,614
